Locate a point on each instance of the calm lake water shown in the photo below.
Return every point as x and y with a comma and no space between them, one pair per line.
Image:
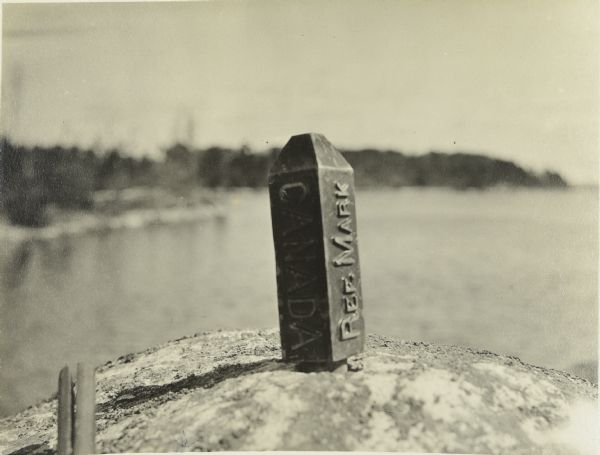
510,271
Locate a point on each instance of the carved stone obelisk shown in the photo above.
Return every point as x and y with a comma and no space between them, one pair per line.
313,212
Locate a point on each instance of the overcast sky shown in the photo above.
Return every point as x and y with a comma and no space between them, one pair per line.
515,79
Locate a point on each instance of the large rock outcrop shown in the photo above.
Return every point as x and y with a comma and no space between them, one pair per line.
228,391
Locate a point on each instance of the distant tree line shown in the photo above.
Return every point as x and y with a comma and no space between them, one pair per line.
457,170
32,178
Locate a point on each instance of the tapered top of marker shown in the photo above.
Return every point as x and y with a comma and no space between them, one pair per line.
308,151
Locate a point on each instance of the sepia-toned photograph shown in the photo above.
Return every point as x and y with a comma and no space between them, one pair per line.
300,225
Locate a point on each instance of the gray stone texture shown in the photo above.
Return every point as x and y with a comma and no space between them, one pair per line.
230,391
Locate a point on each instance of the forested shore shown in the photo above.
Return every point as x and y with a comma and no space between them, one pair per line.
36,179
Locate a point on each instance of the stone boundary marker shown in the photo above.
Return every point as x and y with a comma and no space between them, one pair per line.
313,211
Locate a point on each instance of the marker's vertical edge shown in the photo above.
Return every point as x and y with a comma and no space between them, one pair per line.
358,286
85,411
64,413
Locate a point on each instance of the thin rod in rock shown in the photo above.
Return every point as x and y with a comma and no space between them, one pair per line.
64,412
85,411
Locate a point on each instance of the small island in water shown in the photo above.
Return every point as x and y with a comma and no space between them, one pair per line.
46,185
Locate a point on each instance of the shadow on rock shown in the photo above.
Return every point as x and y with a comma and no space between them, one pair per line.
138,395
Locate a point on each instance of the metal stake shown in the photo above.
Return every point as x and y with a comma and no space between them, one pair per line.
84,441
64,412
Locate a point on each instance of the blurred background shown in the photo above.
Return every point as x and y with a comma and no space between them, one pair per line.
137,138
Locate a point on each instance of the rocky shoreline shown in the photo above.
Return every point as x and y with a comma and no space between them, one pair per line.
88,222
229,391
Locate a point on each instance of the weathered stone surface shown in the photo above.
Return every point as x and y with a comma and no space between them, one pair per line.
228,391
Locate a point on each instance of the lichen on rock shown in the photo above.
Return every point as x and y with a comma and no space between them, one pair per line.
229,391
